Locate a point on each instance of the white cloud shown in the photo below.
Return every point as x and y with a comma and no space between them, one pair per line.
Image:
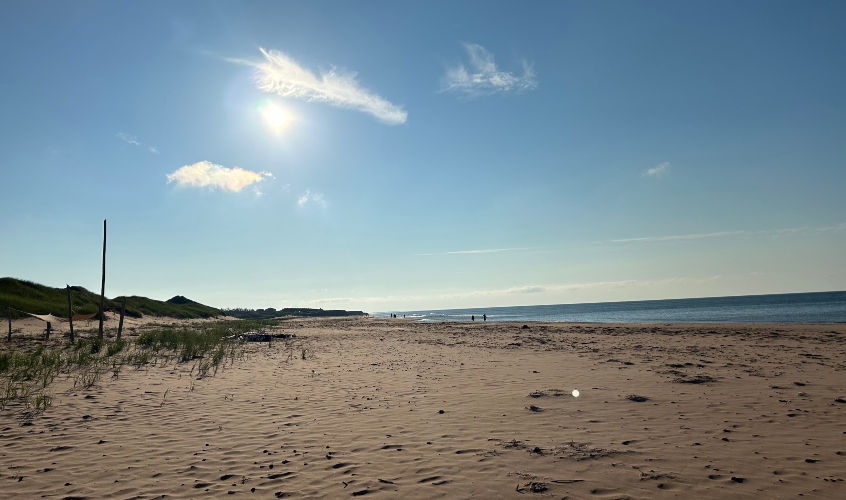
282,75
765,232
309,197
129,139
658,171
529,289
552,290
481,76
487,250
207,174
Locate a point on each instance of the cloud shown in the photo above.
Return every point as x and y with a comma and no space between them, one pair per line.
464,252
658,171
718,234
492,293
280,74
207,174
482,77
529,289
131,139
309,197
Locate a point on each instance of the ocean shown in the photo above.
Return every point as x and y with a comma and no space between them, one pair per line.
816,307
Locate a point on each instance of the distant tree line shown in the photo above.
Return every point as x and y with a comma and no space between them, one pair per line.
299,312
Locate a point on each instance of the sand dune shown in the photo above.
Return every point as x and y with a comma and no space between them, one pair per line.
393,408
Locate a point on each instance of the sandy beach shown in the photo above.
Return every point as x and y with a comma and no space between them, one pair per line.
392,408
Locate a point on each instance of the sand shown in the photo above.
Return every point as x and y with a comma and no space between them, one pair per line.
393,408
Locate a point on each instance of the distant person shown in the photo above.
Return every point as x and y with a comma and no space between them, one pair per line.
473,318
484,317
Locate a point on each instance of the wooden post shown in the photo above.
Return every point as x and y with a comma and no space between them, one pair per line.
122,312
9,313
48,331
70,314
103,283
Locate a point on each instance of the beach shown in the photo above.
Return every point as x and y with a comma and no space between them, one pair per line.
389,408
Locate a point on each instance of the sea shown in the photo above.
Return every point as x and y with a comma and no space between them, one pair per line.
815,307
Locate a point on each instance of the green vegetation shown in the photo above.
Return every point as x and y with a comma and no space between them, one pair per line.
41,299
25,377
293,312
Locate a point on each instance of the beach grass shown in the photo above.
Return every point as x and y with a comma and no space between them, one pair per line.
27,375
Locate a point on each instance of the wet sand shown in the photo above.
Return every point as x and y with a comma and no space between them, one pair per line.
392,408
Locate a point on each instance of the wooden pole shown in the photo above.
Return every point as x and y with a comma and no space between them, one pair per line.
103,283
70,314
48,331
9,313
122,312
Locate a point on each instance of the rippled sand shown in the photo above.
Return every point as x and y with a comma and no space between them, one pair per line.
391,408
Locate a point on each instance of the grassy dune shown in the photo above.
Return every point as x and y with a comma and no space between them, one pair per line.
40,299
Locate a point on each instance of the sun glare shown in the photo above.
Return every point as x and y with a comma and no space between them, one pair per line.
274,116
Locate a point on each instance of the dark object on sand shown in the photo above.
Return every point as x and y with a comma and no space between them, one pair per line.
525,327
737,479
265,337
696,379
534,408
840,400
636,398
257,337
533,487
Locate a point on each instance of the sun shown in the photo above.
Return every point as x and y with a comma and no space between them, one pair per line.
274,116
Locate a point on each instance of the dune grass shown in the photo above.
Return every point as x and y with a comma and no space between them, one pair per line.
26,376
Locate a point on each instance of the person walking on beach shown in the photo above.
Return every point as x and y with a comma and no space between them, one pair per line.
473,318
484,317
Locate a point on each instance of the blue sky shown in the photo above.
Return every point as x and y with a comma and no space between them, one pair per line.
410,155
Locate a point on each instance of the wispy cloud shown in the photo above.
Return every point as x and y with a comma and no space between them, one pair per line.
718,234
487,250
309,197
280,74
481,76
658,171
552,288
129,139
207,174
132,140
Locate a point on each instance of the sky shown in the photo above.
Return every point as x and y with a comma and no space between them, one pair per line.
389,155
